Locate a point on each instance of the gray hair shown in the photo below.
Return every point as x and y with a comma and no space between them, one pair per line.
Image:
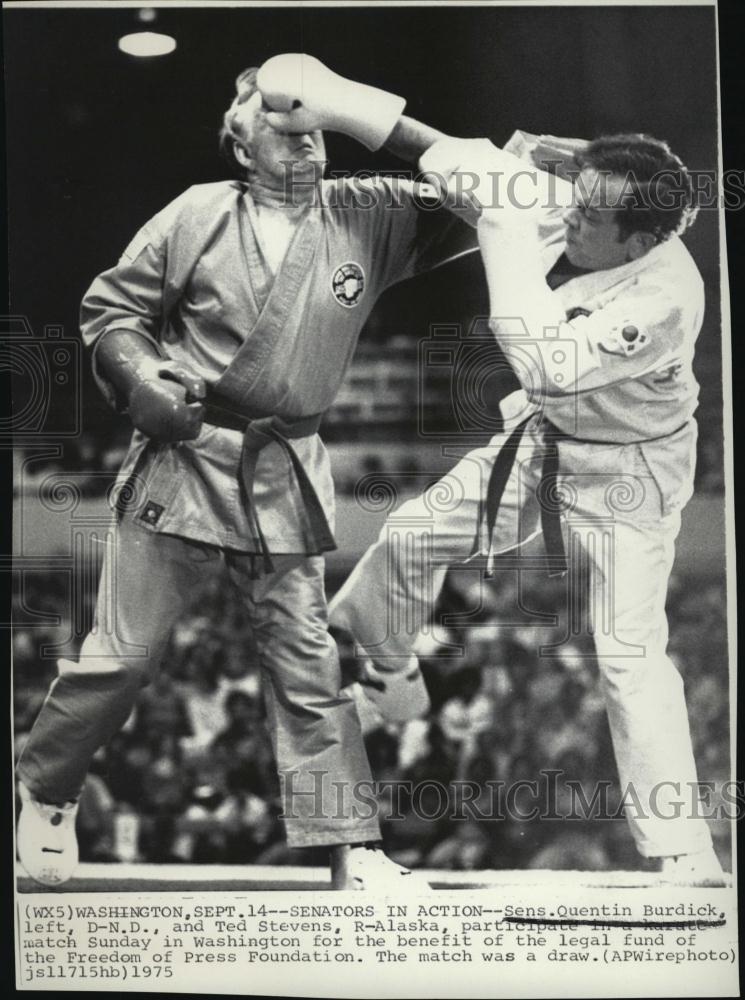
230,133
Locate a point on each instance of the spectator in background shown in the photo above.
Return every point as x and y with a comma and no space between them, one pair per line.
243,747
467,714
249,823
162,708
96,815
204,692
468,846
166,789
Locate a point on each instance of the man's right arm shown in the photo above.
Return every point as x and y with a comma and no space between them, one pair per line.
160,396
120,316
410,139
125,298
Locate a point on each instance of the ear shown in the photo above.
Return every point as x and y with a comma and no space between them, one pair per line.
639,244
242,156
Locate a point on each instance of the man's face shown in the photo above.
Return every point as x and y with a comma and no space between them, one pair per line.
270,150
593,234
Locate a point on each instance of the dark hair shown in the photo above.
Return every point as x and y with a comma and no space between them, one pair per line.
245,88
659,194
238,697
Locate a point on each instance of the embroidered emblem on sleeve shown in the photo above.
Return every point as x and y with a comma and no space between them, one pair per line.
625,338
348,284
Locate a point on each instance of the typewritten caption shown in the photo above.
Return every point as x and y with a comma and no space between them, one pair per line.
215,942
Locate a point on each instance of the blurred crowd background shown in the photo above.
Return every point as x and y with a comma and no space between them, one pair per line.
191,776
391,412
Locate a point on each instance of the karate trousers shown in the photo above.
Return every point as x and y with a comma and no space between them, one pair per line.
619,535
147,580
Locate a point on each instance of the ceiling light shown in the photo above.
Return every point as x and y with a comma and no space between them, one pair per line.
147,43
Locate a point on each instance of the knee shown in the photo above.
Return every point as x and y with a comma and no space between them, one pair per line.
650,672
303,663
410,517
108,673
302,635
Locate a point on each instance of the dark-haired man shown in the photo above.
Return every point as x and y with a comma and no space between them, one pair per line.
224,332
597,304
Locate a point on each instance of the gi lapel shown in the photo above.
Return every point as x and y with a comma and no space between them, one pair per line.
260,277
202,218
597,287
238,378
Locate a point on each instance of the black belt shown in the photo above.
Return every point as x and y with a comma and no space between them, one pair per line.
545,493
258,432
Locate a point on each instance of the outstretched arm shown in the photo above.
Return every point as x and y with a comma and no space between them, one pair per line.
411,139
303,95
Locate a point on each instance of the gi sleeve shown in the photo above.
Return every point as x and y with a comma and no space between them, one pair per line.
530,174
647,330
129,296
407,232
554,159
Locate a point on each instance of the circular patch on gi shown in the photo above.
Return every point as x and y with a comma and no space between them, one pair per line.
348,284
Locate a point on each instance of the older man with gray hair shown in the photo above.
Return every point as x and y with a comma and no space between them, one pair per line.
224,332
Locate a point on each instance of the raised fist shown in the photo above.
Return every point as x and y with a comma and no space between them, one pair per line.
303,95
